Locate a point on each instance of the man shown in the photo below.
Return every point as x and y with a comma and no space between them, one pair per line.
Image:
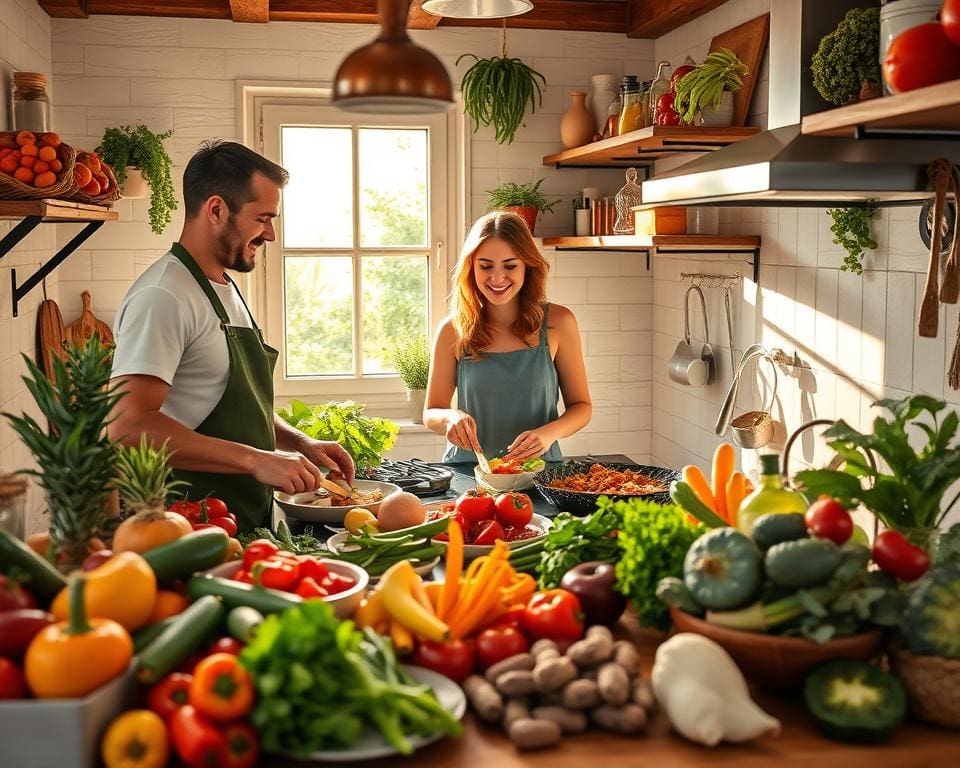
193,362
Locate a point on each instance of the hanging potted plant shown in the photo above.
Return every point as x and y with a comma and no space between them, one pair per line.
524,199
141,163
706,93
846,66
411,358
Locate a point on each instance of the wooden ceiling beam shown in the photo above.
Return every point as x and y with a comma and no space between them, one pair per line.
186,9
654,18
250,11
419,18
65,9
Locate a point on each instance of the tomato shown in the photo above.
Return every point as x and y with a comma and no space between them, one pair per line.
453,658
678,73
11,680
498,643
171,693
260,549
554,614
668,117
189,509
487,533
226,645
514,510
227,524
312,568
665,102
828,519
13,597
950,20
308,588
217,508
898,557
334,583
475,505
278,572
920,56
243,745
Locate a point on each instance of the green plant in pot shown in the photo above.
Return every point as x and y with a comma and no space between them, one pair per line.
851,230
138,155
702,92
411,357
524,199
846,66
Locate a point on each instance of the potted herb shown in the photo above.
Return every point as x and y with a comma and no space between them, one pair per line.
139,159
412,361
524,199
846,66
851,230
707,91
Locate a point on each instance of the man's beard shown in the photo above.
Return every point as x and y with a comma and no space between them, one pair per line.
232,249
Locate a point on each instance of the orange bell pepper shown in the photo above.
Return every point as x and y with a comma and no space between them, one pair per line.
221,688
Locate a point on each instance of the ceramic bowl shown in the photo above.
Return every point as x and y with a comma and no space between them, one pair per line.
298,505
500,483
335,544
779,664
473,551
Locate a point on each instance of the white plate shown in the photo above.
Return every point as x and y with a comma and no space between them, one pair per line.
372,745
335,543
334,515
473,551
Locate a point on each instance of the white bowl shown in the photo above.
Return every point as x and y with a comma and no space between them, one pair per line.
473,551
344,603
335,544
296,505
517,481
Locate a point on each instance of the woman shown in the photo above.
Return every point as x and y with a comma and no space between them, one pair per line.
506,352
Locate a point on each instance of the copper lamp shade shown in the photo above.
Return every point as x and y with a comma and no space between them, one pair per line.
477,9
392,75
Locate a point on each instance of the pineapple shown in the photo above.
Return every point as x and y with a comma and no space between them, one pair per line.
75,458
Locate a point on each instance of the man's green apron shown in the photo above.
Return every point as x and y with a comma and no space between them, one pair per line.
243,415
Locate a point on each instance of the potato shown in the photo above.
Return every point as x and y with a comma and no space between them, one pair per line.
630,718
519,661
626,655
581,694
614,684
553,674
484,698
591,651
518,682
642,694
527,733
569,720
542,644
516,709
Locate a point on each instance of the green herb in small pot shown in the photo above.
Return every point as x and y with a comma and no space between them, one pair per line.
851,229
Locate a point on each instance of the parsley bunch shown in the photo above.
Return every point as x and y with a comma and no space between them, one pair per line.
574,540
851,229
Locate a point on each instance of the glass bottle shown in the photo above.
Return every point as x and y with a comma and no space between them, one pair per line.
631,113
31,106
645,102
770,497
613,115
658,87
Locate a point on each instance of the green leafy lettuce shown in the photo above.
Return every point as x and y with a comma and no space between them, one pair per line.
574,540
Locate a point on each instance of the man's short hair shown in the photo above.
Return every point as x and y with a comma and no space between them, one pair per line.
225,169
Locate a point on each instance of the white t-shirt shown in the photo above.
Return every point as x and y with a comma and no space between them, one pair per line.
166,327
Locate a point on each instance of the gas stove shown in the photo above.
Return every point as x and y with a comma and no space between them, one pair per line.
414,475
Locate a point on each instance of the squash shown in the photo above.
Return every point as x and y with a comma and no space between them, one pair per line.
931,622
776,528
723,569
803,563
148,529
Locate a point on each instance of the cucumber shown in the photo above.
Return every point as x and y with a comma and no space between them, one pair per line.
45,581
183,557
776,528
242,622
684,496
803,563
148,634
188,632
236,594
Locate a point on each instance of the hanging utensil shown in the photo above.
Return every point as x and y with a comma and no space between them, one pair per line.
687,367
929,321
730,401
729,311
950,288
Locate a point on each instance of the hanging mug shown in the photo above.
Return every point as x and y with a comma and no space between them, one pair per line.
688,367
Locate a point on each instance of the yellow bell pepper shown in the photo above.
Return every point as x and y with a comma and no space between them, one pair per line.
123,589
73,658
136,739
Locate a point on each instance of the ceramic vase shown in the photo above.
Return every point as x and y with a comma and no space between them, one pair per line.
416,398
134,187
577,125
722,115
603,92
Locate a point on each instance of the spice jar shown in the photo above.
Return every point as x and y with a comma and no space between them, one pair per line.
13,494
631,115
31,106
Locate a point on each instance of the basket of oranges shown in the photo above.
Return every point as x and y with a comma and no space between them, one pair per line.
35,165
95,182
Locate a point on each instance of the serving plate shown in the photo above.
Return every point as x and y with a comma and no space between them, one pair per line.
333,514
583,502
335,544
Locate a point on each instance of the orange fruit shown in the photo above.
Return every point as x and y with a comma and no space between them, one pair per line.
47,153
103,181
91,160
7,142
92,189
56,166
47,179
41,167
29,149
83,175
8,165
26,137
50,140
27,161
24,174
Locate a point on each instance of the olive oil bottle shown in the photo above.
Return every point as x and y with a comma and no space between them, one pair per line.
770,497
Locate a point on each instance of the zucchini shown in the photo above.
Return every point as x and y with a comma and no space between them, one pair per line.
45,582
189,631
803,563
775,528
674,592
148,634
684,496
183,557
236,594
855,701
242,622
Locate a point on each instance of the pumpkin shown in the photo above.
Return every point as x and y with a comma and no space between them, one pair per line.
149,528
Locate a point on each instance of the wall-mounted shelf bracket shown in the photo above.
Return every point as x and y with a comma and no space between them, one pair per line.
753,262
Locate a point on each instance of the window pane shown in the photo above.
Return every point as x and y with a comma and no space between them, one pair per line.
393,186
394,306
319,315
318,200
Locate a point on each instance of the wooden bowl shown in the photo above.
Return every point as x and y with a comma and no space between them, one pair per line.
775,663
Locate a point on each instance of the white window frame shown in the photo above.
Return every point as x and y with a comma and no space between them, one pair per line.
266,106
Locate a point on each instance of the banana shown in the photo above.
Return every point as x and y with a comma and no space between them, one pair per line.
397,591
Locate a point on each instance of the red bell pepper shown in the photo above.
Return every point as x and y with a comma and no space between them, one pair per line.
243,746
308,588
276,573
171,693
334,583
195,739
259,549
312,568
554,614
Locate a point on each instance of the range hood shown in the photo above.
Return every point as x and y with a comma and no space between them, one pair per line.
781,166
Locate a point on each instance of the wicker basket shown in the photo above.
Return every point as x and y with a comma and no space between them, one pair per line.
933,685
13,189
104,199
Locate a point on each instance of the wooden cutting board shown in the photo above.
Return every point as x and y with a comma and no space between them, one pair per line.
87,324
748,41
50,335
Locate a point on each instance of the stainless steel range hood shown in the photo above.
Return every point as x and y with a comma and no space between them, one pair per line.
782,166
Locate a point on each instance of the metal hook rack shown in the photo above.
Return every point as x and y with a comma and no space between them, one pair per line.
708,280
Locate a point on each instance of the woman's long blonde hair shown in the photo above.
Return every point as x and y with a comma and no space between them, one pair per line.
466,306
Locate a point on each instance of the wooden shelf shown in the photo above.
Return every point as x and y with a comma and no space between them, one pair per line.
55,210
933,109
642,147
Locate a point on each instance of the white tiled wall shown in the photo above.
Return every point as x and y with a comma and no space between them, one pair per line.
24,45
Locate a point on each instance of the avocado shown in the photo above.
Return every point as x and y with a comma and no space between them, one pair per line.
855,701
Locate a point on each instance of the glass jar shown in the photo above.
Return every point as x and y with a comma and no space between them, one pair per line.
658,87
613,115
645,102
631,115
770,496
13,494
31,106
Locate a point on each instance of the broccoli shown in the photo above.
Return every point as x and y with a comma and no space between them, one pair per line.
848,56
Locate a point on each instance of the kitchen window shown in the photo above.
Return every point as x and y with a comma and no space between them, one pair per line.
358,262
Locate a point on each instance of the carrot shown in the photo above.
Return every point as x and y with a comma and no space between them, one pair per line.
401,637
694,477
454,567
723,460
434,589
736,492
420,595
520,589
486,597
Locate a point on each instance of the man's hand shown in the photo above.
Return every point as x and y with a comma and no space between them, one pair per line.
286,471
326,453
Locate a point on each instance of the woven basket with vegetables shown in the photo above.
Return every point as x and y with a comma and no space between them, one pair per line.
100,187
35,166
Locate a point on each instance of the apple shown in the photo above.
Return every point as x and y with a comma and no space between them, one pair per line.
594,583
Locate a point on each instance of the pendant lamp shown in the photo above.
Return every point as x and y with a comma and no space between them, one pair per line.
477,9
392,75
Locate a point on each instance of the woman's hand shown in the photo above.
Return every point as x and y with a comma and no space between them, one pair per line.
529,444
462,431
